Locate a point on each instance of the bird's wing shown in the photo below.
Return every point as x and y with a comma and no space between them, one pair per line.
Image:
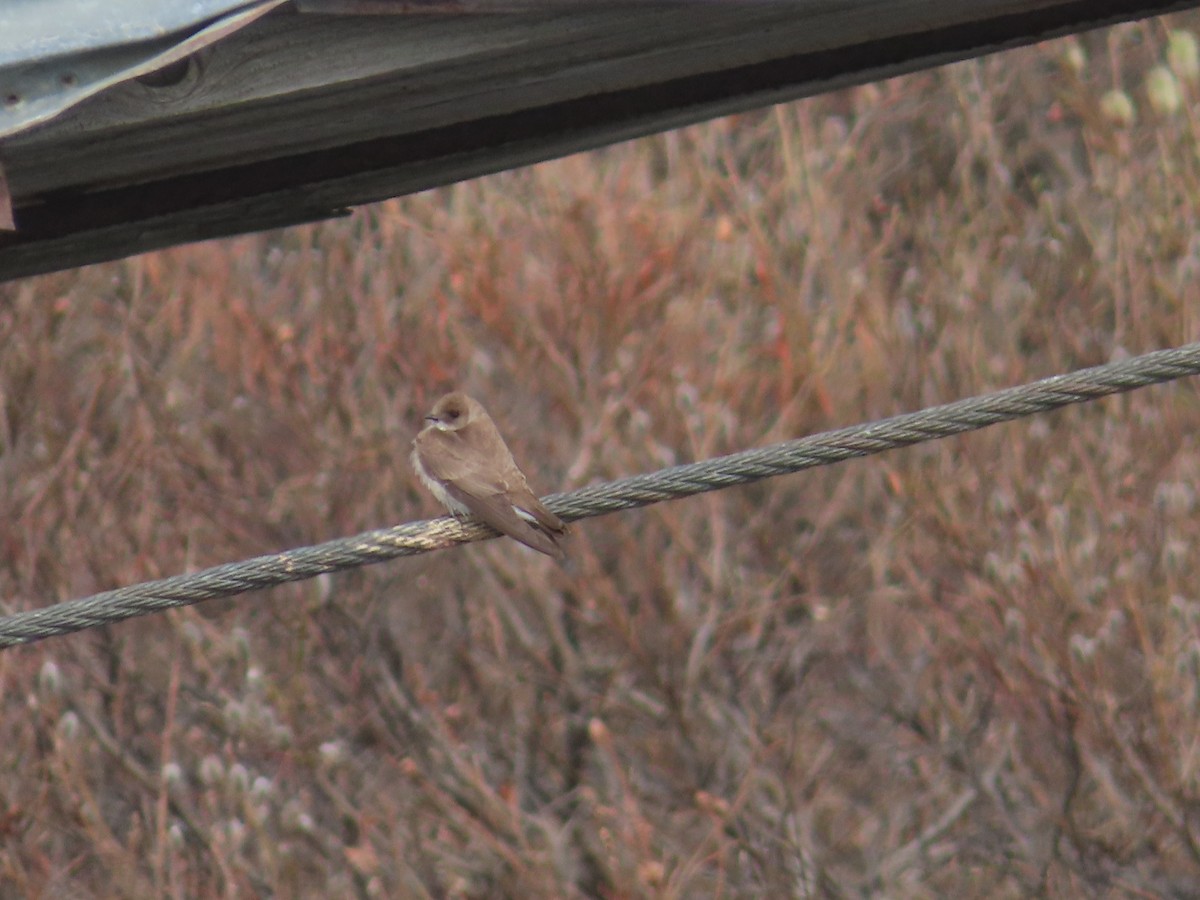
446,458
490,495
497,511
524,499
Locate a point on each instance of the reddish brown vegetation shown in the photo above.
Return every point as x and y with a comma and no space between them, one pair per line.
969,668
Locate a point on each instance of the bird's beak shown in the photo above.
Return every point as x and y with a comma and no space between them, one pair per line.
431,418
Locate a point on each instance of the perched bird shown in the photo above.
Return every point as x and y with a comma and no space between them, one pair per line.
460,456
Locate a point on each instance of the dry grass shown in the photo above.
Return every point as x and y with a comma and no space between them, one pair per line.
970,668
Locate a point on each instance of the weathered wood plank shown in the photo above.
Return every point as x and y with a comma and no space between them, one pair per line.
299,116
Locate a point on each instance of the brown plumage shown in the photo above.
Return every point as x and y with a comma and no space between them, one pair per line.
460,456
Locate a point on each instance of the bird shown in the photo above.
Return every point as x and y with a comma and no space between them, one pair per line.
461,458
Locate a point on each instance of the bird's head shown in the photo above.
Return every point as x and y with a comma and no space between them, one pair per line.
454,411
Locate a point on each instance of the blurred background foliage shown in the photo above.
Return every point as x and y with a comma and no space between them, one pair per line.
968,668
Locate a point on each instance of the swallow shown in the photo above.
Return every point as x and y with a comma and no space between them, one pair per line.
461,458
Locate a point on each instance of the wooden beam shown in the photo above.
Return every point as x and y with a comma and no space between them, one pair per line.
298,117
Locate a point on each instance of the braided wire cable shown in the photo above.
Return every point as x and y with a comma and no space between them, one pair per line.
598,499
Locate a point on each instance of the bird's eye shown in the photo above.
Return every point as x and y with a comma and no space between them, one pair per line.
452,414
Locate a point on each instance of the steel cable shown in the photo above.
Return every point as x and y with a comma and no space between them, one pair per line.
599,499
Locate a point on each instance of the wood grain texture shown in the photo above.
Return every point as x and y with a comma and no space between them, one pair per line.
300,116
